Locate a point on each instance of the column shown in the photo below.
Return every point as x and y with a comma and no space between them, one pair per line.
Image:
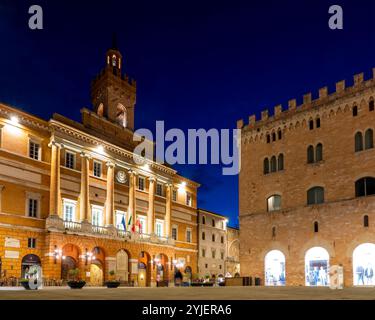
54,196
109,203
132,207
151,206
85,214
168,209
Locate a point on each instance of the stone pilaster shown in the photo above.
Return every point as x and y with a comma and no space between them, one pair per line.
54,198
109,204
168,209
132,205
151,206
85,214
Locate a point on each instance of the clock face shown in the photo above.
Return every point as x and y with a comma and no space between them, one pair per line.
121,176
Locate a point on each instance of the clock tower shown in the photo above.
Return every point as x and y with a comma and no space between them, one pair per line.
113,94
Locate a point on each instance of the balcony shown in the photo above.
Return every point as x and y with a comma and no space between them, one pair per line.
55,223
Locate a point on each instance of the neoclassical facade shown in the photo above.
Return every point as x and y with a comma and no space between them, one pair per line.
72,196
306,189
212,229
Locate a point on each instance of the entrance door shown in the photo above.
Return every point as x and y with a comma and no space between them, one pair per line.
96,275
67,264
30,266
142,275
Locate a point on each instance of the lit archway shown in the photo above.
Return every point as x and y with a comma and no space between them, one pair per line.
122,115
274,268
364,264
317,267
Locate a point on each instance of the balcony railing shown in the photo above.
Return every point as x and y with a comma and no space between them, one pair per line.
56,223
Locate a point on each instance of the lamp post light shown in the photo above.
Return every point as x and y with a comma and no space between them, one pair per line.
89,257
57,254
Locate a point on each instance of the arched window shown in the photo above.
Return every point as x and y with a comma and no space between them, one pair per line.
316,226
365,221
319,152
273,164
279,134
365,187
310,154
315,195
268,138
311,124
273,136
122,115
213,238
371,105
266,166
369,139
280,162
274,203
358,142
213,222
203,236
203,220
318,122
273,232
355,111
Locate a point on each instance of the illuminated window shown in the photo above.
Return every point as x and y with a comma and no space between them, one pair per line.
159,228
317,267
274,203
121,220
97,216
142,224
274,268
363,265
69,210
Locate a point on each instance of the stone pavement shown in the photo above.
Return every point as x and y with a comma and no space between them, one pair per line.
214,293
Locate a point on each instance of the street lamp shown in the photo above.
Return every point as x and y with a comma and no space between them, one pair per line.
89,257
57,254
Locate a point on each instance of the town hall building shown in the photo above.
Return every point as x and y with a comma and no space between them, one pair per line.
72,196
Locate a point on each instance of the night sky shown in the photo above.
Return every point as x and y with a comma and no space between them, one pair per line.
198,64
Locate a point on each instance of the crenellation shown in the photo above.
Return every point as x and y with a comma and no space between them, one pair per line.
358,79
278,110
292,104
307,98
323,93
308,102
264,115
340,86
240,124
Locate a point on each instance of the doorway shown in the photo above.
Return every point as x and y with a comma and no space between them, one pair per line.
96,274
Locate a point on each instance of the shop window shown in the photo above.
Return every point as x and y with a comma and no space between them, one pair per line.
317,267
363,265
274,268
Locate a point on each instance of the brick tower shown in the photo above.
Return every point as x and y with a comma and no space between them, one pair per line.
113,94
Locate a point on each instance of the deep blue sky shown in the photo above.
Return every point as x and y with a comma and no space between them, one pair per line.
198,64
